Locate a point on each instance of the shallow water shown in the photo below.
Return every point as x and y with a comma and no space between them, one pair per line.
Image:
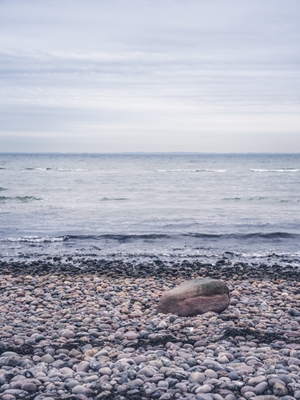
149,204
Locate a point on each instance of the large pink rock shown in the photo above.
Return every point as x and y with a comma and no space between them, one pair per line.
195,297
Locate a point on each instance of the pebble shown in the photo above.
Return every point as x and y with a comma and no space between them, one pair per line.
67,334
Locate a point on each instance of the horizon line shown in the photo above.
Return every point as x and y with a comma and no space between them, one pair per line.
147,152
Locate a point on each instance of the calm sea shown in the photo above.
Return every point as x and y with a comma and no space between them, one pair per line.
147,204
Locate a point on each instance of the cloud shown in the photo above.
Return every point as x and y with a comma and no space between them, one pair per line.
147,67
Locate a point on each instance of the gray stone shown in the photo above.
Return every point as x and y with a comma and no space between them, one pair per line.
7,396
8,354
248,395
72,383
67,333
204,396
47,358
29,387
204,389
80,389
297,394
210,373
105,371
147,371
83,366
256,380
260,388
279,389
13,360
197,377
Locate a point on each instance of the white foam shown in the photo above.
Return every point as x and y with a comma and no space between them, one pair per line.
275,170
32,239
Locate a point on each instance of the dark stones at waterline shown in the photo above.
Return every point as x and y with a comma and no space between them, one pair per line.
222,268
195,297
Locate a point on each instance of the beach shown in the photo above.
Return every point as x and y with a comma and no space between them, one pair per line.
87,328
89,243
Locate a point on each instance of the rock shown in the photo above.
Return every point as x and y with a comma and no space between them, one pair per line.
256,380
83,366
260,388
147,371
195,297
29,387
265,397
279,389
197,377
13,360
47,358
67,333
131,335
105,371
80,389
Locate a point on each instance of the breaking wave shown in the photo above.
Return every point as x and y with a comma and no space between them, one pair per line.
21,199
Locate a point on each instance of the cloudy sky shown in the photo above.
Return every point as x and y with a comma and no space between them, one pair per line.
150,75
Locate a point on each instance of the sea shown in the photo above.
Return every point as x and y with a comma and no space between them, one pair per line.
149,205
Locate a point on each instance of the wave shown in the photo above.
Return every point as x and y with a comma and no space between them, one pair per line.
71,169
21,199
120,237
276,170
205,236
38,169
33,239
247,236
58,169
232,198
2,188
113,199
257,198
190,170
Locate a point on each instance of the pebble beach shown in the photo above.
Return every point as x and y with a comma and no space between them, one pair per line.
88,329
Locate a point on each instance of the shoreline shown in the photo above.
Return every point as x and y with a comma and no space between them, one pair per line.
273,267
88,329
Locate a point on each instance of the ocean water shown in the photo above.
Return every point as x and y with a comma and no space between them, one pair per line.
166,205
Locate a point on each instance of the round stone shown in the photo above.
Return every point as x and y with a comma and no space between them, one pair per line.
47,358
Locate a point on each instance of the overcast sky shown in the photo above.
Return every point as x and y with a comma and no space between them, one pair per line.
150,75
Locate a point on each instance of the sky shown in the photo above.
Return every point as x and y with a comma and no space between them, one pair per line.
150,75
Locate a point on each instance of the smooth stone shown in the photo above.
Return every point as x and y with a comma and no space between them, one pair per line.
29,387
204,396
265,397
260,388
47,358
210,373
147,371
204,389
95,365
12,360
7,396
105,371
67,333
80,389
279,389
72,383
8,354
256,380
249,395
195,297
83,366
197,377
67,372
130,335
